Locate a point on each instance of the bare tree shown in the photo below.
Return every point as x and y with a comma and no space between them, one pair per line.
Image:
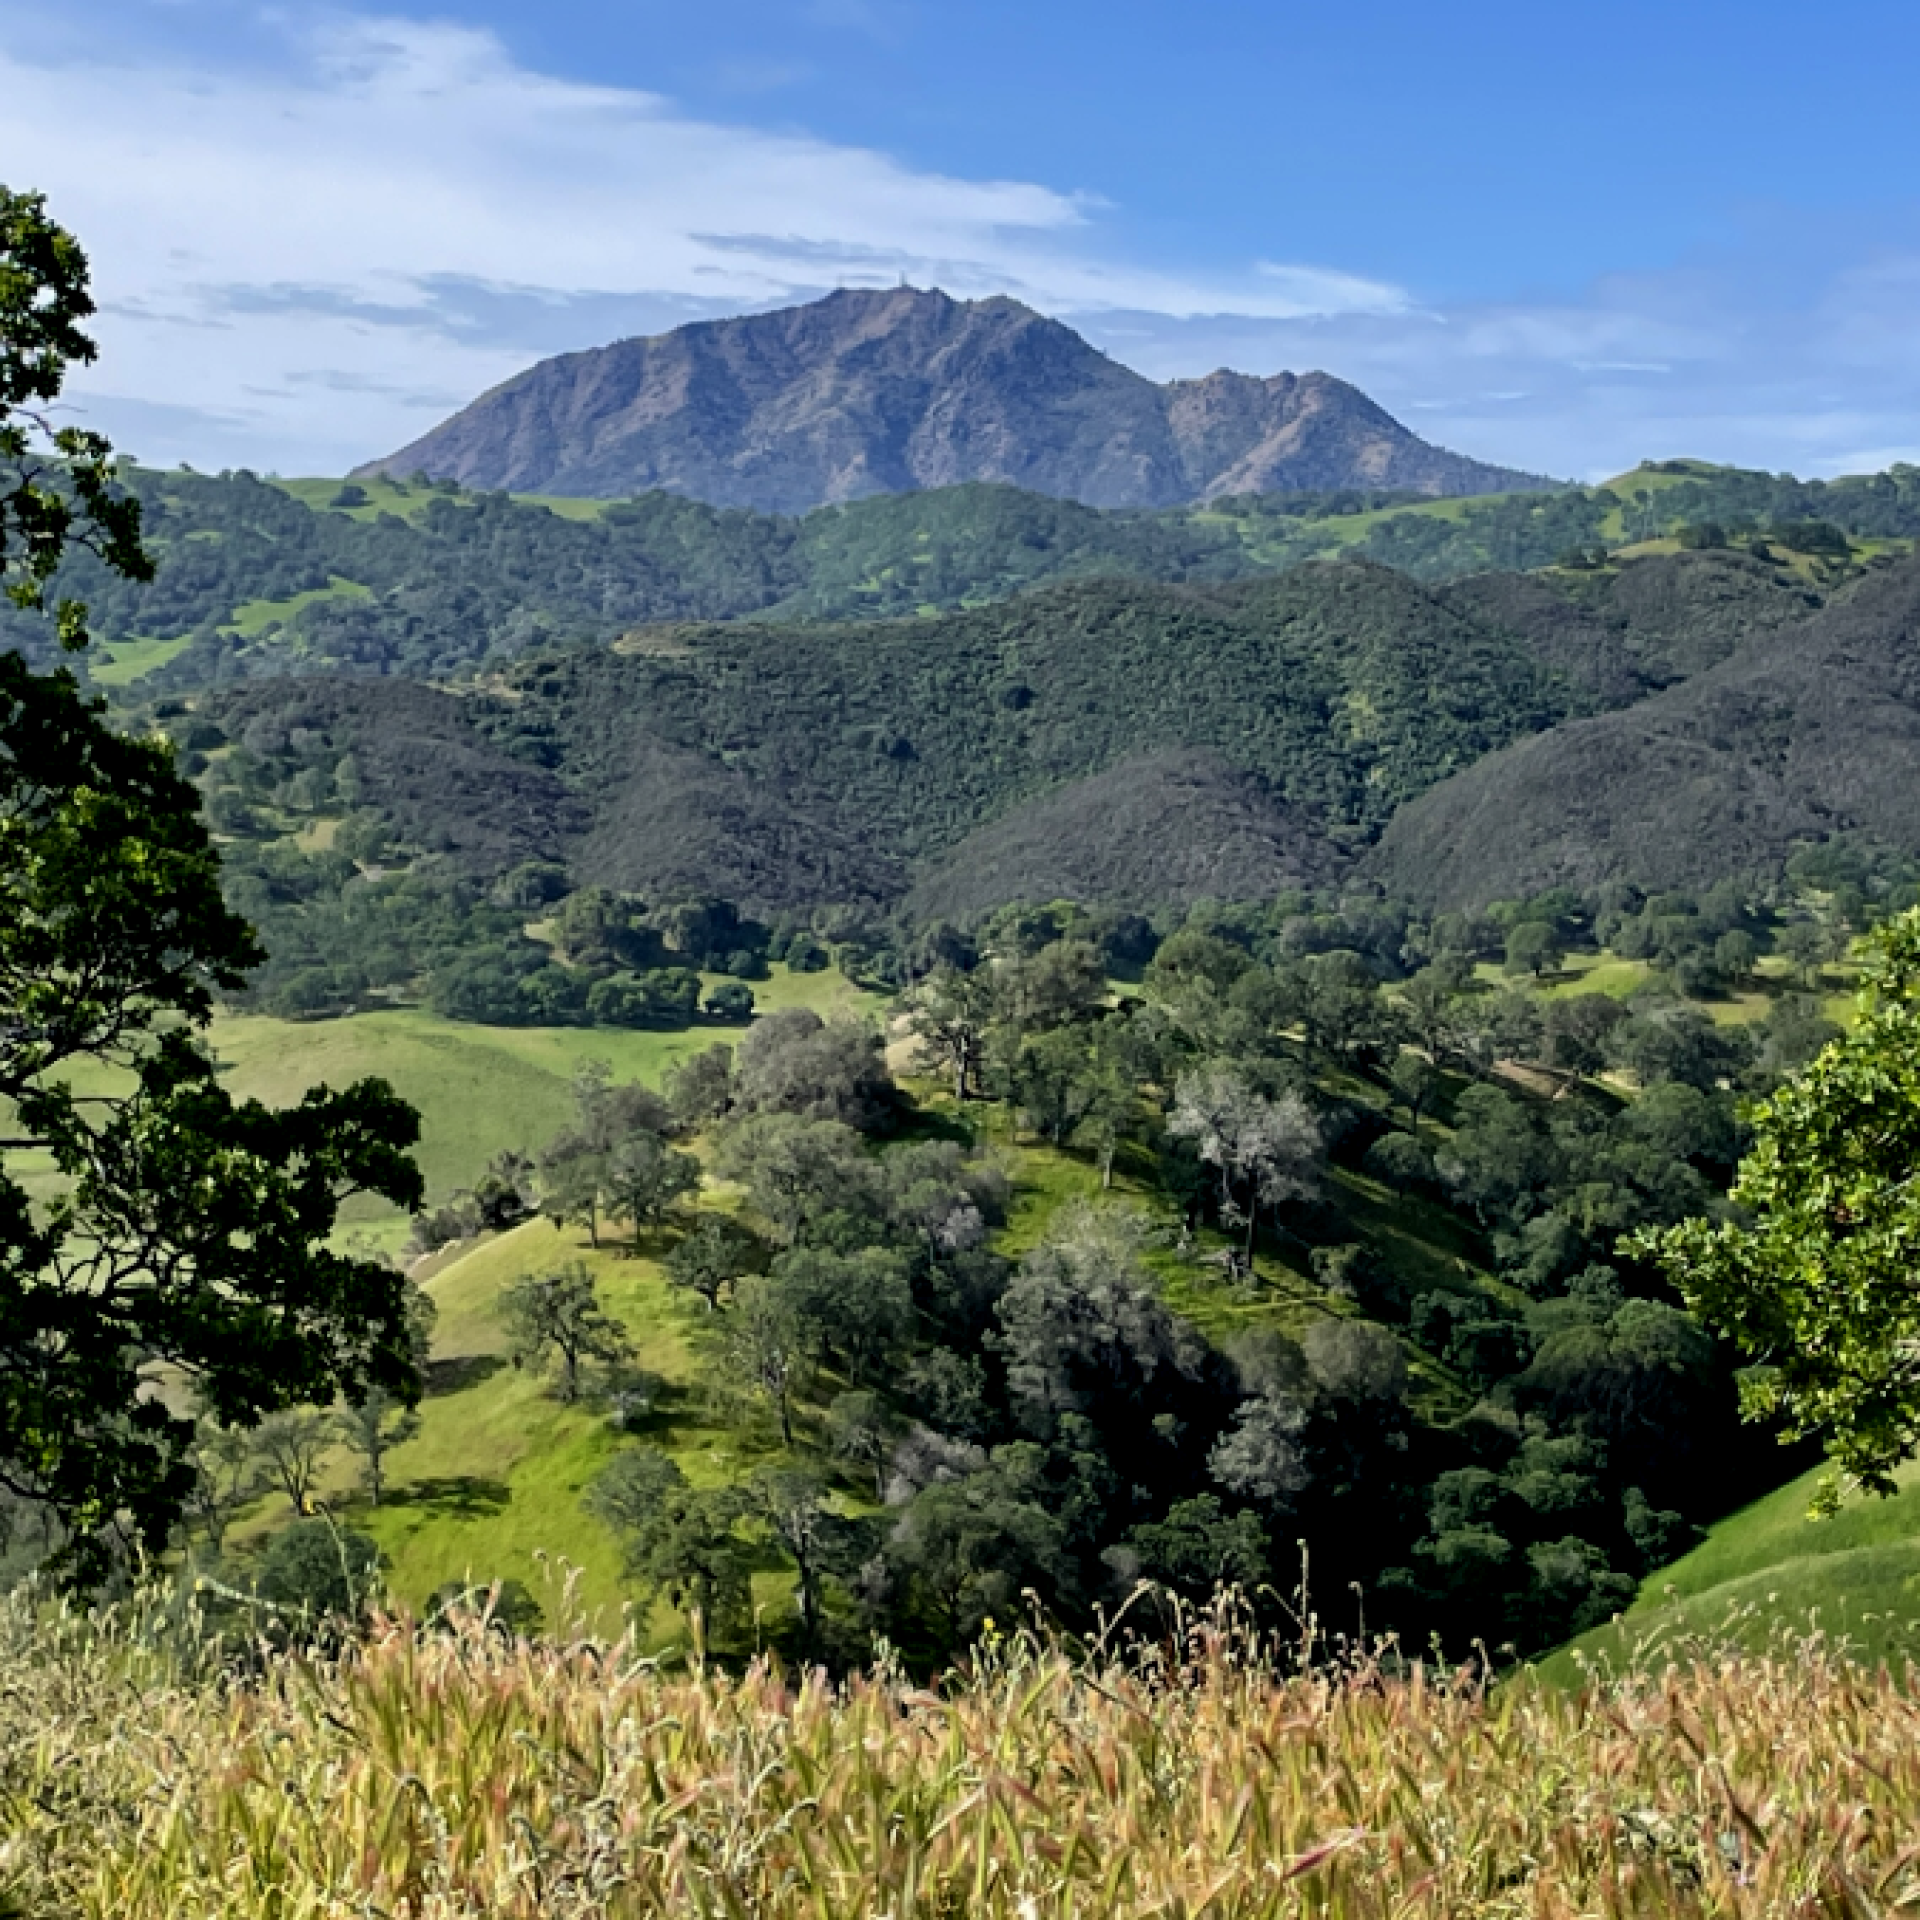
290,1446
1267,1153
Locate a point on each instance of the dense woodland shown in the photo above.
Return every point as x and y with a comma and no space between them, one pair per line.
425,579
1386,1158
1130,745
1359,1171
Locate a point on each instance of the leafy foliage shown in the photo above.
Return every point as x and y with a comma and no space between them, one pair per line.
178,1232
558,1316
1813,1281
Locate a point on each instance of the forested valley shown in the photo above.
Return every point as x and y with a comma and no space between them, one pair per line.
1060,1144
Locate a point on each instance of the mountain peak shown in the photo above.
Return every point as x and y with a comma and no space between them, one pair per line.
892,389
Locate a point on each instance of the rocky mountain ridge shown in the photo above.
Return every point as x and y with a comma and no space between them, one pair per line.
867,392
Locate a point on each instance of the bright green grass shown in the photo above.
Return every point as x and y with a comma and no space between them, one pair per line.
1769,1571
1621,979
1627,484
410,502
1624,486
1269,543
1868,1597
1595,973
125,661
491,1487
383,496
496,1476
565,507
255,616
480,1090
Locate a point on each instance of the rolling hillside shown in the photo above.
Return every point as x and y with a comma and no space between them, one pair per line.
490,1489
1768,1576
260,579
1169,827
1801,732
786,766
1670,721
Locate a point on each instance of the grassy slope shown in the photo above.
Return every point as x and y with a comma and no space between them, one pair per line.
409,503
481,1090
1768,1573
492,1485
255,616
129,660
491,1488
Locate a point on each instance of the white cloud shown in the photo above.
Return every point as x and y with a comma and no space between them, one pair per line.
342,226
1817,372
390,209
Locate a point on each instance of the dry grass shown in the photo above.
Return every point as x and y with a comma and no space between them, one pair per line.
442,1774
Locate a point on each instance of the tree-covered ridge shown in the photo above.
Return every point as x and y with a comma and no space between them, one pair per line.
1805,731
787,767
1347,686
1136,744
256,578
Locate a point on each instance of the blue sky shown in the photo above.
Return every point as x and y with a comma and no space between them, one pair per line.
1565,238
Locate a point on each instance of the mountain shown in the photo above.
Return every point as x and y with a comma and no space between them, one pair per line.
1800,732
869,392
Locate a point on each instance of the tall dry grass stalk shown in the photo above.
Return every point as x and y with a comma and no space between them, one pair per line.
426,1775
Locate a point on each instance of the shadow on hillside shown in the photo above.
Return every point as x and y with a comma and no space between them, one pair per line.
459,1371
915,1122
459,1496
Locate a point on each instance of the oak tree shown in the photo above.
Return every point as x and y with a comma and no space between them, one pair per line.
184,1236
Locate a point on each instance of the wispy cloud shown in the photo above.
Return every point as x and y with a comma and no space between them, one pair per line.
370,208
340,222
1727,359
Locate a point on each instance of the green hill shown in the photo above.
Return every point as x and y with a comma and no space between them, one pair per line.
259,577
1022,749
1768,1576
1166,828
1802,731
1501,1389
784,766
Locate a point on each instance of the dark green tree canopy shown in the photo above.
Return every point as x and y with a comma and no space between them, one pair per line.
1814,1279
156,1235
57,481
